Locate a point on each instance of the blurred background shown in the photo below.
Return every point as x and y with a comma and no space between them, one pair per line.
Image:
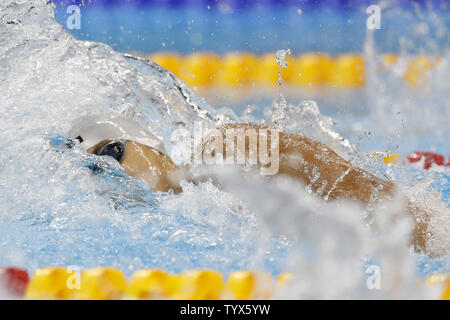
225,50
232,43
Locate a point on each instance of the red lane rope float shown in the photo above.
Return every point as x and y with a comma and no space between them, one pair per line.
14,281
430,158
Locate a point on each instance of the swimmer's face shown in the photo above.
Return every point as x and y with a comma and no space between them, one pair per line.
141,162
115,149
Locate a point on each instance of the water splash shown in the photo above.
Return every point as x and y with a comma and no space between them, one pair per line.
279,115
332,241
306,118
399,108
55,209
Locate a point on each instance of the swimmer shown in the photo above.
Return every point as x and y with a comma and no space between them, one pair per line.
143,156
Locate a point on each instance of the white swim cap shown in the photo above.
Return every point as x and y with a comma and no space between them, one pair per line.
90,130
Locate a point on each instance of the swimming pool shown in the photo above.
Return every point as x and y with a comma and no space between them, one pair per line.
55,211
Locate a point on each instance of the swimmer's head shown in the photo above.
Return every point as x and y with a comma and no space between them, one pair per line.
93,130
140,153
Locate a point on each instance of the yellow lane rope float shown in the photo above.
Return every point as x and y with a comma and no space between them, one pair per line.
311,70
104,283
388,158
442,284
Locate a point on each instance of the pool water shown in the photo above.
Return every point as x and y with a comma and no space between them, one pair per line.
54,210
